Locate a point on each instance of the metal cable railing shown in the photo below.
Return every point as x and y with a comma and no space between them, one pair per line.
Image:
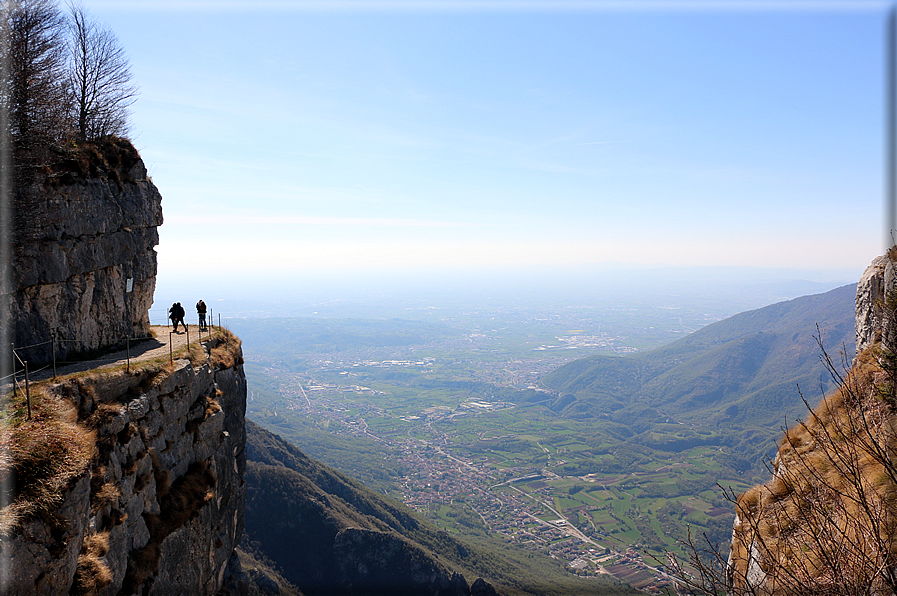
20,365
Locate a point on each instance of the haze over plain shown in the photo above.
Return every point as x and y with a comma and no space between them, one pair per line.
310,146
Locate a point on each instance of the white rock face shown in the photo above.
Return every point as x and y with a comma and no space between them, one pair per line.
876,283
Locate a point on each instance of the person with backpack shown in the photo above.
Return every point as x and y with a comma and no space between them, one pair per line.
201,311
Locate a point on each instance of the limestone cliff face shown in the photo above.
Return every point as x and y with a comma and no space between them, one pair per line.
81,232
879,279
160,510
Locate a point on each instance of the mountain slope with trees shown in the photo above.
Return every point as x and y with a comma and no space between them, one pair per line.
319,527
738,374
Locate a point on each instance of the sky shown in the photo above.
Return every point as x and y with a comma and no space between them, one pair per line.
322,141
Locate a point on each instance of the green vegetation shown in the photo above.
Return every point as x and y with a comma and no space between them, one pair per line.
732,383
285,485
447,425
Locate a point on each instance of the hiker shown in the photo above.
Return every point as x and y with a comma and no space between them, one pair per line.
201,311
176,314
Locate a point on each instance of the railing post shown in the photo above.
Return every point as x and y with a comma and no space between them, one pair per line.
170,351
15,383
27,390
54,354
187,327
128,349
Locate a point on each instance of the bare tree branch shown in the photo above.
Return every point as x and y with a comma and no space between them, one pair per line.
37,99
99,78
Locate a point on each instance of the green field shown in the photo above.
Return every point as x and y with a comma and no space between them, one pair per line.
445,419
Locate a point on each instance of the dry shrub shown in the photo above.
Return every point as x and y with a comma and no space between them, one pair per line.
826,523
92,573
40,455
225,350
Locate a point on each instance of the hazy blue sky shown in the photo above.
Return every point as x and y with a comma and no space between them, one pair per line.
291,138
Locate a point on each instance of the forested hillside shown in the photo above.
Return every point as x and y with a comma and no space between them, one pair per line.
740,374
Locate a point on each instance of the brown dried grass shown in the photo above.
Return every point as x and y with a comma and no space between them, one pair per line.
40,455
829,514
225,350
92,574
108,494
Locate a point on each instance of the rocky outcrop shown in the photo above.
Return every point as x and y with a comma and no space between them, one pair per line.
828,516
84,263
160,511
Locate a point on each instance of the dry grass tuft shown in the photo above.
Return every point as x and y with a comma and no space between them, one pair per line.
225,351
196,354
105,496
103,415
92,573
212,407
40,455
97,544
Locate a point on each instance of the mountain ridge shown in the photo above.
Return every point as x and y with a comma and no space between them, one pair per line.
738,372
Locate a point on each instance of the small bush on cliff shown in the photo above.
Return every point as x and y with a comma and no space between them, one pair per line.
92,574
225,351
39,456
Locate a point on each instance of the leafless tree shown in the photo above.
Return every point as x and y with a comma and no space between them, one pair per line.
36,99
99,78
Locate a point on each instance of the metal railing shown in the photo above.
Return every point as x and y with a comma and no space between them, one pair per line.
20,365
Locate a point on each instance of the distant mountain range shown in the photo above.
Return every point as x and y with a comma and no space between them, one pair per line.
739,375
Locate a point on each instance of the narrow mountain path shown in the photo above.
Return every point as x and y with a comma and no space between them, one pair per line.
163,343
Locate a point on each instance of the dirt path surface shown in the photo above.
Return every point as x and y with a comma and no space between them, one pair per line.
143,350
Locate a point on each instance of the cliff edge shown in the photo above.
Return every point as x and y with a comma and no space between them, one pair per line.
158,508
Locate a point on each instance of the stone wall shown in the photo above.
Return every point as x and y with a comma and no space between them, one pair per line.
160,510
81,231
